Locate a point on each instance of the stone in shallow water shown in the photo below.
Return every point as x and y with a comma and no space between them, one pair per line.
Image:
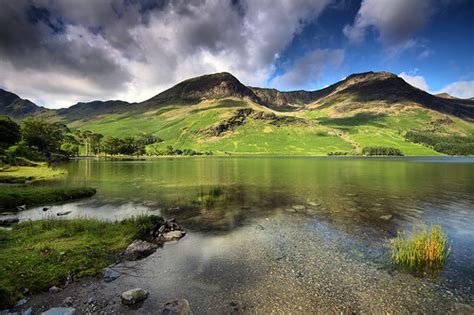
139,249
54,289
60,311
299,207
173,235
386,217
176,307
110,275
134,296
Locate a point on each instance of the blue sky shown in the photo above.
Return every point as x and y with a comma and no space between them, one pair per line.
61,52
441,51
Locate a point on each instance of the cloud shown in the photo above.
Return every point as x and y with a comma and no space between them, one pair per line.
396,24
461,89
63,52
415,80
395,21
309,68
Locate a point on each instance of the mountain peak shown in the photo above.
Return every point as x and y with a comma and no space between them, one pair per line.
14,106
209,86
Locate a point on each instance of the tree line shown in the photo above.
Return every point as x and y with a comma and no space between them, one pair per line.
447,144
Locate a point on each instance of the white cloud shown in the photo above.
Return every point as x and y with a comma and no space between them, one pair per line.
395,21
415,80
112,49
461,89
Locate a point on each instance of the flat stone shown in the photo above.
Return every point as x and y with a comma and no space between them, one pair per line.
313,204
54,289
386,217
134,296
176,307
60,311
110,275
463,309
21,302
173,235
299,207
139,249
290,210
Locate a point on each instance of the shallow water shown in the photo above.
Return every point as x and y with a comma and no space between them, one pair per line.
343,198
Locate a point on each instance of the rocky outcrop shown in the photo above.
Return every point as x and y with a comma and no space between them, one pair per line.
236,120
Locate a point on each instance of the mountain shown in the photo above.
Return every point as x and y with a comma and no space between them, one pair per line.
211,86
16,107
91,109
218,113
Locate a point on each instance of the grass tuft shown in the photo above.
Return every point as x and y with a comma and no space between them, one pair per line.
426,249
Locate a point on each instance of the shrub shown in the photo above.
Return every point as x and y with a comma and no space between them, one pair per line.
381,151
424,249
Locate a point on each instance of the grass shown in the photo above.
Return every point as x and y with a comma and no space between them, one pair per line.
39,254
180,125
425,249
13,196
21,174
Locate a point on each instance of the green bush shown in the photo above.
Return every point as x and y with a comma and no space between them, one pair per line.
451,145
381,151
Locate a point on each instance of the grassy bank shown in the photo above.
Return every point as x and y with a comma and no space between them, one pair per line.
39,254
13,196
22,174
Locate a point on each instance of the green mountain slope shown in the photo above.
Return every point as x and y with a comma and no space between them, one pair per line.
218,113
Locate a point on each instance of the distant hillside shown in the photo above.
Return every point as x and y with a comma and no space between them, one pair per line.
16,107
218,113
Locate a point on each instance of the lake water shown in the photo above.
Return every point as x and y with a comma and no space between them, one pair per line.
238,211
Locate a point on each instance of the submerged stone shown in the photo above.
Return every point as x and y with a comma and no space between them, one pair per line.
386,217
134,296
60,311
176,307
110,275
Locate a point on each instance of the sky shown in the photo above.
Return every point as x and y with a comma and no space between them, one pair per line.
60,52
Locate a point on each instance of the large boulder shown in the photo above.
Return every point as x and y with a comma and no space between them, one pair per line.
139,249
176,307
173,235
134,296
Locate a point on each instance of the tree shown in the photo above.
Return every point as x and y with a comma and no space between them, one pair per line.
9,132
44,136
95,140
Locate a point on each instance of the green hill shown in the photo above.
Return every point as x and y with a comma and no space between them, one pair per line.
218,113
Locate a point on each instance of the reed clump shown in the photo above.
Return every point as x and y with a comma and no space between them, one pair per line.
427,248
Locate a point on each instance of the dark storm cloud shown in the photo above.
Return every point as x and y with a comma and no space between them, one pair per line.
62,51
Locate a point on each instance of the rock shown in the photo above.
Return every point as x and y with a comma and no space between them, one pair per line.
176,307
54,289
139,249
24,291
110,275
60,311
313,204
463,309
173,235
28,311
92,301
21,302
63,213
386,217
68,301
290,210
45,209
9,221
299,207
134,296
21,208
260,227
174,208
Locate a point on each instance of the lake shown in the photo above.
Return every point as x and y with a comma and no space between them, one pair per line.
297,234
